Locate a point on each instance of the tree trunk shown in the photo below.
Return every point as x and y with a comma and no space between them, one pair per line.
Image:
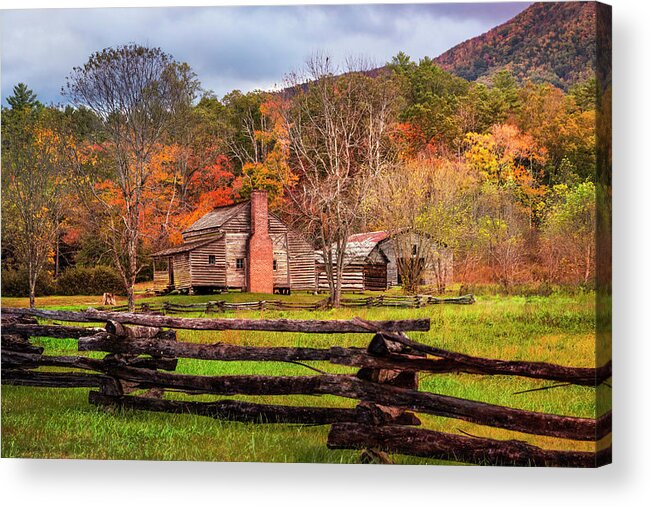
339,273
131,302
56,256
586,274
32,287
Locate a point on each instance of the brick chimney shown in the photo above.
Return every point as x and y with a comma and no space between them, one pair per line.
261,255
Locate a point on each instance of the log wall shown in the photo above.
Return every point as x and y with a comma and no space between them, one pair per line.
302,262
161,279
182,271
205,274
236,248
240,222
352,279
429,275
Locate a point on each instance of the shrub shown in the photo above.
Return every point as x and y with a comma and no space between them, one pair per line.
15,283
89,281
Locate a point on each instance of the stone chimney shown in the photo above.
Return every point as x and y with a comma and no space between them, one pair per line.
261,255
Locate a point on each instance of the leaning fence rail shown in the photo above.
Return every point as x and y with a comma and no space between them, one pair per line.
142,351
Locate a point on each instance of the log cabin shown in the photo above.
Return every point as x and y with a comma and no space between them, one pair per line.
242,246
371,262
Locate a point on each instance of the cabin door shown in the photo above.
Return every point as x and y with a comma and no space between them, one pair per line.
375,277
170,271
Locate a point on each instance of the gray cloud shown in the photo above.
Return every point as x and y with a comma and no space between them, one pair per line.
233,47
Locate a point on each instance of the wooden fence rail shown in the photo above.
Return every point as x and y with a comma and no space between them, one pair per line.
142,354
220,306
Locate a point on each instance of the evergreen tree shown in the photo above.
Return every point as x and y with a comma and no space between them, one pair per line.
23,98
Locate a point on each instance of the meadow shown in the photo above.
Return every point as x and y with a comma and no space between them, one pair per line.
60,423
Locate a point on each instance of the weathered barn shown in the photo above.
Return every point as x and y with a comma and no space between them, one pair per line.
365,265
241,246
371,262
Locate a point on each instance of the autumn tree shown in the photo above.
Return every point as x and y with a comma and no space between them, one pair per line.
431,98
33,183
501,229
337,129
511,160
269,169
568,234
426,205
136,93
564,125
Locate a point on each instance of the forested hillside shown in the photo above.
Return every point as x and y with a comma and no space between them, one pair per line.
551,42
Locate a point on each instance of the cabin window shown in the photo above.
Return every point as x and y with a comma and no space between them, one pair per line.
275,264
414,249
239,263
212,259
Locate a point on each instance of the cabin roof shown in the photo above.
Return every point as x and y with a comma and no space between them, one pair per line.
185,247
217,217
360,246
368,237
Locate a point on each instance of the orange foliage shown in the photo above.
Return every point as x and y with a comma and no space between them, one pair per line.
273,174
409,138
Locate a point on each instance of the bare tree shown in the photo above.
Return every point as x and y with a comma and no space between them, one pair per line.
136,92
337,127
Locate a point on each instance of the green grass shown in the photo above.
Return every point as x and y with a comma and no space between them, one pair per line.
59,423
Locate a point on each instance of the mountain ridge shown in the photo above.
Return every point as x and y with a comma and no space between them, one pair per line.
552,42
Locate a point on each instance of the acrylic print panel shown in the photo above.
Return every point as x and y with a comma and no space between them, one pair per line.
222,244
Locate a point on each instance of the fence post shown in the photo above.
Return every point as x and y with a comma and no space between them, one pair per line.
113,385
381,415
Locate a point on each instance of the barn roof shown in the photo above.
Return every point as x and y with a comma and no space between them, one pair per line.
372,237
217,217
360,246
185,247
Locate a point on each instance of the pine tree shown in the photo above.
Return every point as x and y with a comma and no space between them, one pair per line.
22,98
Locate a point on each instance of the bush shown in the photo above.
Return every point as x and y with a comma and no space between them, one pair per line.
15,283
89,281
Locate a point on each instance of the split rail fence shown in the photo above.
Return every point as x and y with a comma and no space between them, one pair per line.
418,301
142,352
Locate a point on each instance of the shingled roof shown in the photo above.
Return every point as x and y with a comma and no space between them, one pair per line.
360,246
185,247
217,217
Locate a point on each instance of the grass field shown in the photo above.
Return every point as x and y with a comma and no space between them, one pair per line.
59,423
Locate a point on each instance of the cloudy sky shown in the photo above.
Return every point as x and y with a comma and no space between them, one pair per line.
233,47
